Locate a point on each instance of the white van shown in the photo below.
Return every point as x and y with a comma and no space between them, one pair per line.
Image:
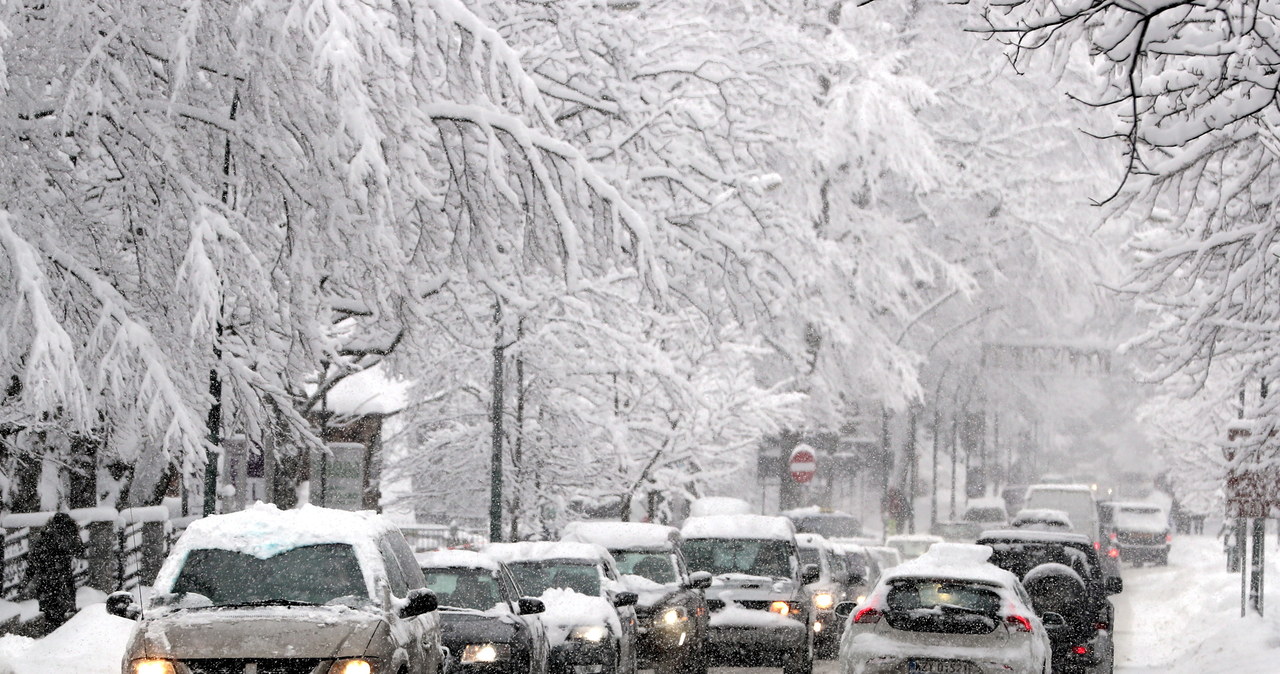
1076,500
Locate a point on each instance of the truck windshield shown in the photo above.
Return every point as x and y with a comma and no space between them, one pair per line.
311,574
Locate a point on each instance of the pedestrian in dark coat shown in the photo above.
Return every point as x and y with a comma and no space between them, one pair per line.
51,567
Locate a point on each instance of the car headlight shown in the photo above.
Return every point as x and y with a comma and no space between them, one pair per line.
153,667
353,666
784,608
673,616
475,653
593,633
861,598
824,600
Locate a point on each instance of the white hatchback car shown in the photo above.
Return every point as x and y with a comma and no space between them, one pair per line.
948,610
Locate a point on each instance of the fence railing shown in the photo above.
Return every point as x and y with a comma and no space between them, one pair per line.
124,549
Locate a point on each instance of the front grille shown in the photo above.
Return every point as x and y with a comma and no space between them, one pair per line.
755,604
265,666
644,614
715,604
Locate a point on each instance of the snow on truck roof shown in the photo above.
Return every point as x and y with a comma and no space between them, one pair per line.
623,535
262,530
456,559
739,526
960,561
532,551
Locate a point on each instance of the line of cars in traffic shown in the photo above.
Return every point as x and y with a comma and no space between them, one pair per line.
317,591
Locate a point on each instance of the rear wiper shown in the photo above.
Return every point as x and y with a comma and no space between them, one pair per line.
270,602
961,609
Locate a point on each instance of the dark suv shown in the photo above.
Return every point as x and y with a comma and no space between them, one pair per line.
760,613
671,614
1063,574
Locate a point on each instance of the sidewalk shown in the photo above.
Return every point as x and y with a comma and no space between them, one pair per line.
1186,617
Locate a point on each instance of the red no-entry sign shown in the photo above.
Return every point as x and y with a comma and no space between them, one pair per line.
803,464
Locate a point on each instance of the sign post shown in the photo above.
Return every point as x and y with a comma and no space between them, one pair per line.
803,463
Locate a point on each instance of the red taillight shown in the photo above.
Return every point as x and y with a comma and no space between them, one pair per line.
1168,538
1080,650
1020,622
1097,545
1101,626
1112,536
867,615
1114,553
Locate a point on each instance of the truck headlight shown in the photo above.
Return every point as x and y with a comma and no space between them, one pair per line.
824,600
153,667
475,653
593,633
673,616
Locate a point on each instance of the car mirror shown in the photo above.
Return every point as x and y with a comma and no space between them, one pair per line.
121,605
700,580
845,608
1115,585
810,574
530,605
625,599
420,601
1053,620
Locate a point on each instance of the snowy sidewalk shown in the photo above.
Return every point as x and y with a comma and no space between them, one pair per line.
1186,617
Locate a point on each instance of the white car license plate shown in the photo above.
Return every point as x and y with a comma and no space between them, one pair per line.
919,666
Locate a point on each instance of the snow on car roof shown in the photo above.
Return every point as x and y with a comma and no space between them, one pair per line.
531,551
1034,536
986,502
622,535
1137,506
458,559
263,530
739,526
718,505
1059,487
960,561
1044,514
811,541
913,538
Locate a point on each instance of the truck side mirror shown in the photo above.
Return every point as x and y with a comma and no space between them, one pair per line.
121,605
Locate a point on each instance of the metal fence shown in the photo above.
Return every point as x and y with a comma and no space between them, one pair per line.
124,549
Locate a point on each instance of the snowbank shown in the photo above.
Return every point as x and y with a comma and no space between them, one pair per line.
92,642
1185,618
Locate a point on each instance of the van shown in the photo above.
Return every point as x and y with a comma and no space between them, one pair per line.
1076,500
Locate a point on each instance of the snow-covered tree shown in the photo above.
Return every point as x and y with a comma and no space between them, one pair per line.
257,195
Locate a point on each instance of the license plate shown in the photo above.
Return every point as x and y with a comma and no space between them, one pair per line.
917,666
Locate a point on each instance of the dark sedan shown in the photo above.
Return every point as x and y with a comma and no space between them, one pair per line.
486,625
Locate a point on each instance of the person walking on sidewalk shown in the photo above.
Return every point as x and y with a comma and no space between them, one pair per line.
51,568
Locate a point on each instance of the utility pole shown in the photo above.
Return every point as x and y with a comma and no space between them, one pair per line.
495,420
